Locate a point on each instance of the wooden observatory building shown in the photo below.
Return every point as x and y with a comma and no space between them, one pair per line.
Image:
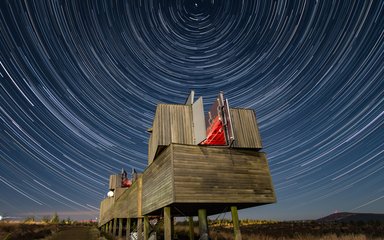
198,165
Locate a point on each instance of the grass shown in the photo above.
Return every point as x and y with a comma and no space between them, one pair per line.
298,230
25,231
298,237
36,230
223,230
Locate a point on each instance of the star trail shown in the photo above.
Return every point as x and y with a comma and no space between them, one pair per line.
80,81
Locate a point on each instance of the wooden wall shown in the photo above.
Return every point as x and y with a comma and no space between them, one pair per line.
126,204
123,205
192,177
157,183
245,129
114,181
172,124
221,175
106,210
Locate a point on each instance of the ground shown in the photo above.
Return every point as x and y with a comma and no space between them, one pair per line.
76,232
28,231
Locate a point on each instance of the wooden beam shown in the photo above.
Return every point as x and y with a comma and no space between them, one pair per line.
173,228
235,221
120,232
139,196
167,223
139,229
203,224
128,229
139,208
110,226
146,228
114,226
191,229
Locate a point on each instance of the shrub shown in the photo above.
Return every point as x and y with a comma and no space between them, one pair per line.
55,218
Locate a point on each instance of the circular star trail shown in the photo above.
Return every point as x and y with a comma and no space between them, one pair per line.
80,80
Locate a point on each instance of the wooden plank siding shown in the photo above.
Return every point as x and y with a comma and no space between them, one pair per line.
158,183
127,204
123,205
114,181
220,175
172,124
191,177
245,129
106,210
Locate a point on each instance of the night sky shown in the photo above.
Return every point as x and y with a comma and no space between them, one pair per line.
80,81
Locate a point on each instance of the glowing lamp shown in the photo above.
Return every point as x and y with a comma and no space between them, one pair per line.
110,194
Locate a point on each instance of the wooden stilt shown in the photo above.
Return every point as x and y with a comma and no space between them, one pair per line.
146,228
128,229
110,226
174,236
139,229
114,226
191,229
120,232
167,223
139,209
203,224
235,221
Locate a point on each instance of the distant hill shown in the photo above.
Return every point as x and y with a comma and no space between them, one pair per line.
348,217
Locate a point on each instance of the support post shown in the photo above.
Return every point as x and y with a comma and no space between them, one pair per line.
114,227
146,227
167,223
128,229
173,228
139,208
235,221
110,226
203,224
191,228
139,228
120,234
